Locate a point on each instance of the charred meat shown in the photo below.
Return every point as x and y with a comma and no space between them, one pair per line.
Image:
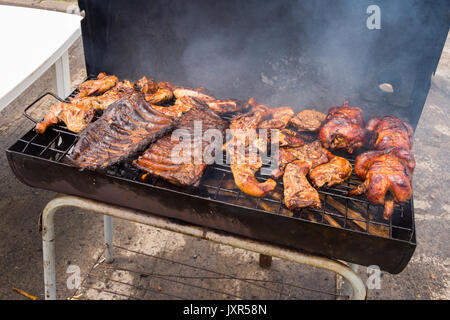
242,148
387,178
343,128
280,118
102,84
125,128
308,120
298,193
156,94
390,132
336,171
175,162
220,106
75,117
312,153
80,111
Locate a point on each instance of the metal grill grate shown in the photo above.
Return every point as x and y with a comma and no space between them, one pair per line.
217,184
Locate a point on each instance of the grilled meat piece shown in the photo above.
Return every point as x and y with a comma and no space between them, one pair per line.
245,161
243,128
169,159
336,171
181,106
76,118
387,177
102,84
244,165
289,138
312,153
298,193
280,118
80,111
126,127
220,106
390,132
308,120
343,128
153,93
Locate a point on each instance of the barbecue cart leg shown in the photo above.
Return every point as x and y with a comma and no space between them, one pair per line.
48,237
265,261
48,249
107,226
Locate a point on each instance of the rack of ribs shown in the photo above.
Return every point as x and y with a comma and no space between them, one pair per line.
124,129
179,162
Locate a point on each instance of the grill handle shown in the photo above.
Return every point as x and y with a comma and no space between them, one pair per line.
35,101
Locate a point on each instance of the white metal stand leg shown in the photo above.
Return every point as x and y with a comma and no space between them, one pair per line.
48,237
62,69
107,226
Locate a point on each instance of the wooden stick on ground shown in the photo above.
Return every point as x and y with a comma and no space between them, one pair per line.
29,296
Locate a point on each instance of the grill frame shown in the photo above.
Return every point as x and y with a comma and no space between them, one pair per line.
33,160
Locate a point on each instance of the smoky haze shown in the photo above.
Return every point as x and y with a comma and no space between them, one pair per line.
296,53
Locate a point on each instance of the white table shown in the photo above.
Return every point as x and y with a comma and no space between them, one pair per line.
32,40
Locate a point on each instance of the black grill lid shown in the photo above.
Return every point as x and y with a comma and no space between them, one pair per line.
297,53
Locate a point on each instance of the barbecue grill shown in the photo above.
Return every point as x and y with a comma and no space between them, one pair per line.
132,38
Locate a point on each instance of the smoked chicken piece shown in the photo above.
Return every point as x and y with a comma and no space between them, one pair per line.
289,138
80,111
242,149
243,128
308,120
298,193
76,118
124,129
175,162
102,84
244,165
336,171
101,102
312,153
156,94
390,132
181,106
343,128
280,118
387,178
220,106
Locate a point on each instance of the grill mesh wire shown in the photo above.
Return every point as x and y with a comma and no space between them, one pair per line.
217,184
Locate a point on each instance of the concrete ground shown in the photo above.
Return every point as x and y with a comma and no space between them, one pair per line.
156,264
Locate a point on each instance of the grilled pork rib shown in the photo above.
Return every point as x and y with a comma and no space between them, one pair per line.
343,128
164,158
125,128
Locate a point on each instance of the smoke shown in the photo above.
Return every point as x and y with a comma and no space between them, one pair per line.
285,52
